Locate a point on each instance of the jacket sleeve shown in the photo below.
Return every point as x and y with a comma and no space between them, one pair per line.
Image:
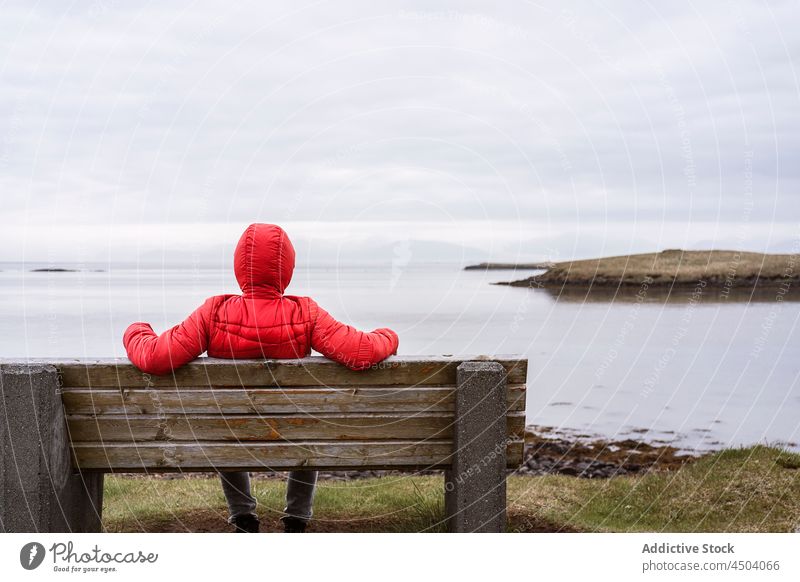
161,354
342,343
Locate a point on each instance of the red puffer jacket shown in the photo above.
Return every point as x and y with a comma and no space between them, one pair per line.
262,322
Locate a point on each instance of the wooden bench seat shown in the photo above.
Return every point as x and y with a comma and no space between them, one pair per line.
463,415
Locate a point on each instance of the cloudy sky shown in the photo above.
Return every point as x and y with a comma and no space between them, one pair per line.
463,129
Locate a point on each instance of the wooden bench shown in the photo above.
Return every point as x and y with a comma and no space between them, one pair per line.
64,423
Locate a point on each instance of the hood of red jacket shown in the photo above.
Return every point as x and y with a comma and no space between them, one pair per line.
264,260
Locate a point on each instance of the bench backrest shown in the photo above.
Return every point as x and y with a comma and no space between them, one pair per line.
275,414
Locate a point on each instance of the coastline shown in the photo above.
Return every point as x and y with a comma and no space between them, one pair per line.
720,270
510,266
548,451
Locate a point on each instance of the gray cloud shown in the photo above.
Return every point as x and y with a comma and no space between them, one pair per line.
575,116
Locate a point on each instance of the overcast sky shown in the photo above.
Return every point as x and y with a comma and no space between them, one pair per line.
463,129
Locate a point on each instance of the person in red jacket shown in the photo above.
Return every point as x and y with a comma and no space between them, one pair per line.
262,322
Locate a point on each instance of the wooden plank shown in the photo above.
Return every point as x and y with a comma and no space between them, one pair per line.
517,394
260,455
258,400
193,428
144,428
340,455
515,452
268,400
311,371
515,425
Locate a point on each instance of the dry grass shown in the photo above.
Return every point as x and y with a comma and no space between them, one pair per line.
675,267
756,489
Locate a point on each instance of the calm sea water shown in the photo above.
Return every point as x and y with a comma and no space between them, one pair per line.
702,371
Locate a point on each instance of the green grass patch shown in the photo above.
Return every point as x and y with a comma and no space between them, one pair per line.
754,489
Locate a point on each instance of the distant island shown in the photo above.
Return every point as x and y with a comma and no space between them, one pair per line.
508,266
717,269
63,270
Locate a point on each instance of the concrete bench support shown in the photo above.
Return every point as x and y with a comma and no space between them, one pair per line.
39,490
475,486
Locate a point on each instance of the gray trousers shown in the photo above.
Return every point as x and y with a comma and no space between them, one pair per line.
299,494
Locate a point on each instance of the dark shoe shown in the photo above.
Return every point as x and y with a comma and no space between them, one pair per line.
293,525
245,524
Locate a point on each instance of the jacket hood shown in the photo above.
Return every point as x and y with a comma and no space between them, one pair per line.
264,261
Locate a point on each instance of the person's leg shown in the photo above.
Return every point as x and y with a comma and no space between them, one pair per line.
300,495
236,486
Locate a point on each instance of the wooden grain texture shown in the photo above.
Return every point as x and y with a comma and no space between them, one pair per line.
260,456
196,428
312,400
143,428
285,414
311,371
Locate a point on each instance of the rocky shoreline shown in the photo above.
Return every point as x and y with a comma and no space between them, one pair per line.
561,455
712,282
547,452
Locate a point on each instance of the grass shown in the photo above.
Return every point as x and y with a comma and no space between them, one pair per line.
754,489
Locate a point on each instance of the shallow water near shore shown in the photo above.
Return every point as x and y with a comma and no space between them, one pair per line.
694,368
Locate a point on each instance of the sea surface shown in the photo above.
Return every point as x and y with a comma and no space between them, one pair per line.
697,369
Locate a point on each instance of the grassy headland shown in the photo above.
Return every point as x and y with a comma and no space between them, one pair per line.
754,489
509,266
718,269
